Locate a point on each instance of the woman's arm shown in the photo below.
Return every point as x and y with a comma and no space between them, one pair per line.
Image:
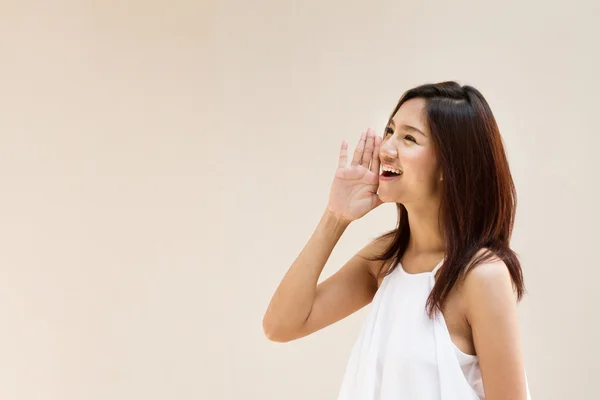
300,307
491,310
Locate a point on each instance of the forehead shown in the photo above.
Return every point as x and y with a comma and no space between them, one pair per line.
411,113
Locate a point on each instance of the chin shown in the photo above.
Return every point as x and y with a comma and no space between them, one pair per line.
386,198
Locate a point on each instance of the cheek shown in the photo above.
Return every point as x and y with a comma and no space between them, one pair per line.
420,163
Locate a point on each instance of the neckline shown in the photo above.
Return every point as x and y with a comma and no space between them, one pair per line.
425,273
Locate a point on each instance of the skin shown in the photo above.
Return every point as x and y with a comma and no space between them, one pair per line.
480,314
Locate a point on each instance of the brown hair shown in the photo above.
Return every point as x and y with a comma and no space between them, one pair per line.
478,197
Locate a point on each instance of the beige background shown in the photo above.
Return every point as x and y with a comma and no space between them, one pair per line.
162,164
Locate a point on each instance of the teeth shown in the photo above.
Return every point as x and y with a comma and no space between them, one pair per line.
396,171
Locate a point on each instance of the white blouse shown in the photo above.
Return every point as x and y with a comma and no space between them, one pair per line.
401,354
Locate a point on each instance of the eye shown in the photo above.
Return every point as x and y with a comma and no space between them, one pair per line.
410,138
388,130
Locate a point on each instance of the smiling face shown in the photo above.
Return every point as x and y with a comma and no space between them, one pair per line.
408,146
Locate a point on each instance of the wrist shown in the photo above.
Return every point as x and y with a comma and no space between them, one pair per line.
335,219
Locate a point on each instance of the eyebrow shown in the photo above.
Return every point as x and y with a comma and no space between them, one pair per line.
407,127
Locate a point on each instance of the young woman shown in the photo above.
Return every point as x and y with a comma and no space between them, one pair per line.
444,283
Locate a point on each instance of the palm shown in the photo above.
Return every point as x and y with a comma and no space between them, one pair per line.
354,188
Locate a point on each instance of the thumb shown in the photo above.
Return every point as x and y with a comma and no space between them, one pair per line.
378,201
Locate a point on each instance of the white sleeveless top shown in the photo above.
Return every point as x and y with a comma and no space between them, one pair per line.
401,354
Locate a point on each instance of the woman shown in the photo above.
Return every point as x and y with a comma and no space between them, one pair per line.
444,284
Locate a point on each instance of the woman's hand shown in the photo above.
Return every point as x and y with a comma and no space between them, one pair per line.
354,189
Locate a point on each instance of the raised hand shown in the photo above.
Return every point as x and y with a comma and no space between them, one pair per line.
354,189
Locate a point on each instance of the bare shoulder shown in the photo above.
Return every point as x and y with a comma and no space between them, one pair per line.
492,271
373,249
488,281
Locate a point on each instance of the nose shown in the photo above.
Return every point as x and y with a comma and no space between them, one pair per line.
388,151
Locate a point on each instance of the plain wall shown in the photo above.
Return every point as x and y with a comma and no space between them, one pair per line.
162,165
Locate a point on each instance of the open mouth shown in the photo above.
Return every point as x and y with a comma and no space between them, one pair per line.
389,174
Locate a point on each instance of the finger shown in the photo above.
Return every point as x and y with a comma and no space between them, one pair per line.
369,145
343,155
376,162
359,150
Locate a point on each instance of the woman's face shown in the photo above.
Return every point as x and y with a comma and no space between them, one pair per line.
407,146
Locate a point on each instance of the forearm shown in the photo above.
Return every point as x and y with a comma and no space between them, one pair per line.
292,302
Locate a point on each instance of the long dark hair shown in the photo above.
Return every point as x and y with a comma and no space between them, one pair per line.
478,196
